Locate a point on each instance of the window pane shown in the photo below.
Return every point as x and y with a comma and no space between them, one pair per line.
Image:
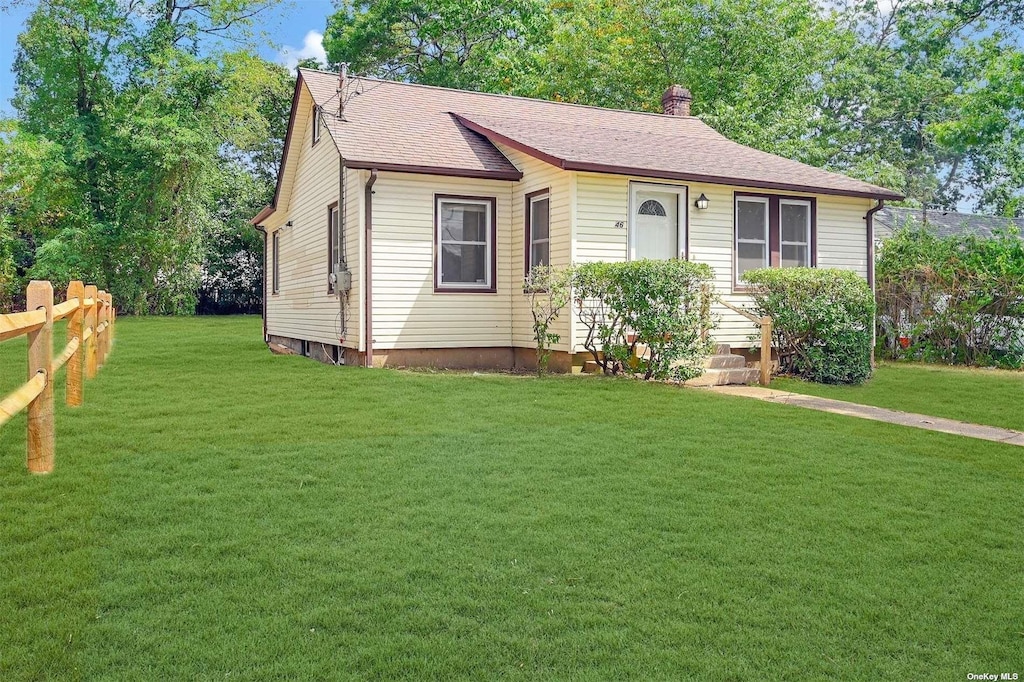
463,222
794,256
335,239
795,219
463,264
750,256
751,218
539,254
539,216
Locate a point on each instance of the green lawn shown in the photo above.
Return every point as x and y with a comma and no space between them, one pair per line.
983,396
221,513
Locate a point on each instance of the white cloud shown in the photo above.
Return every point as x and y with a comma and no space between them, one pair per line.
312,48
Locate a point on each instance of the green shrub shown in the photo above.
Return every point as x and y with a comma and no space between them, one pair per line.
821,321
659,308
956,299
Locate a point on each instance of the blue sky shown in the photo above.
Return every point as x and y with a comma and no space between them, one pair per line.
295,29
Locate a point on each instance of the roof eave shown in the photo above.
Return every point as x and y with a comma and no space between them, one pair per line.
265,213
727,180
284,151
481,173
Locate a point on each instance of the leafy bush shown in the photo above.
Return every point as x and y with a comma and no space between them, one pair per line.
659,308
821,321
956,299
9,281
549,291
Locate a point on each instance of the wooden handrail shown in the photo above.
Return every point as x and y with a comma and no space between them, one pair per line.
16,324
20,399
745,313
90,333
765,323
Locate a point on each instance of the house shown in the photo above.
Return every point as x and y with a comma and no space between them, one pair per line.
942,223
406,216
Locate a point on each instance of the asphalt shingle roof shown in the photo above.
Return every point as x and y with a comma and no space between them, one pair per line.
391,125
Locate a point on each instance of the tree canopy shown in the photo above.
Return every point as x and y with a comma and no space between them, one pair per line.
139,151
924,96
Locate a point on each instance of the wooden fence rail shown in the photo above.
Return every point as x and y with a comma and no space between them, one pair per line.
91,316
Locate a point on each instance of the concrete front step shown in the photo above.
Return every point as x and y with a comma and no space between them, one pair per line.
725,362
722,377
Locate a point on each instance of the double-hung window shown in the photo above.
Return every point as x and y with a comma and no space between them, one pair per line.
795,222
751,234
465,244
773,231
275,253
538,234
333,245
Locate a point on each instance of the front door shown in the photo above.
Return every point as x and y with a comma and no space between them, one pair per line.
656,224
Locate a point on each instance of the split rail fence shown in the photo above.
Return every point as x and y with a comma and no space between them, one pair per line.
90,333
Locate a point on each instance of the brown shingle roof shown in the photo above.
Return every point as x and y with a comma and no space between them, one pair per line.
392,125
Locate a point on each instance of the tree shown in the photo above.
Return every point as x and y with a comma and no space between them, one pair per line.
143,123
468,44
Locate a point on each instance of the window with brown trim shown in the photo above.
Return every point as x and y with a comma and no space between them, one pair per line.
538,229
774,231
333,245
275,254
464,242
316,124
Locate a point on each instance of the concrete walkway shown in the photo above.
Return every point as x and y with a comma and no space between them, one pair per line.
880,414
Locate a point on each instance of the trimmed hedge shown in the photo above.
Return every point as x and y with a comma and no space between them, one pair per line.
822,321
956,299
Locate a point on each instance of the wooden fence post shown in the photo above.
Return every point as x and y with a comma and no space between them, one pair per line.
73,392
112,316
101,340
90,323
40,410
766,350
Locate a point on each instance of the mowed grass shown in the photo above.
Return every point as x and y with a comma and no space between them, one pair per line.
221,513
982,396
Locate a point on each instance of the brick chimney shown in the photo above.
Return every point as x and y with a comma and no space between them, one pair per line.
676,101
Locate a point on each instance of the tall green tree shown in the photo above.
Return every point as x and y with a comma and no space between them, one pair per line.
146,116
468,44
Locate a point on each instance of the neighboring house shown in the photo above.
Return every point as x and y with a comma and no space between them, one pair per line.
942,223
405,220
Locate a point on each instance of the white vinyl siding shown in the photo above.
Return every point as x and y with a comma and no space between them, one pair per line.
537,176
407,312
304,309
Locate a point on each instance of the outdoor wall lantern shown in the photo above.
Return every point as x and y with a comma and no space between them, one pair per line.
702,202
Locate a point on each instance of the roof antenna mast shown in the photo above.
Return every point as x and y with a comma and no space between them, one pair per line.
342,77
